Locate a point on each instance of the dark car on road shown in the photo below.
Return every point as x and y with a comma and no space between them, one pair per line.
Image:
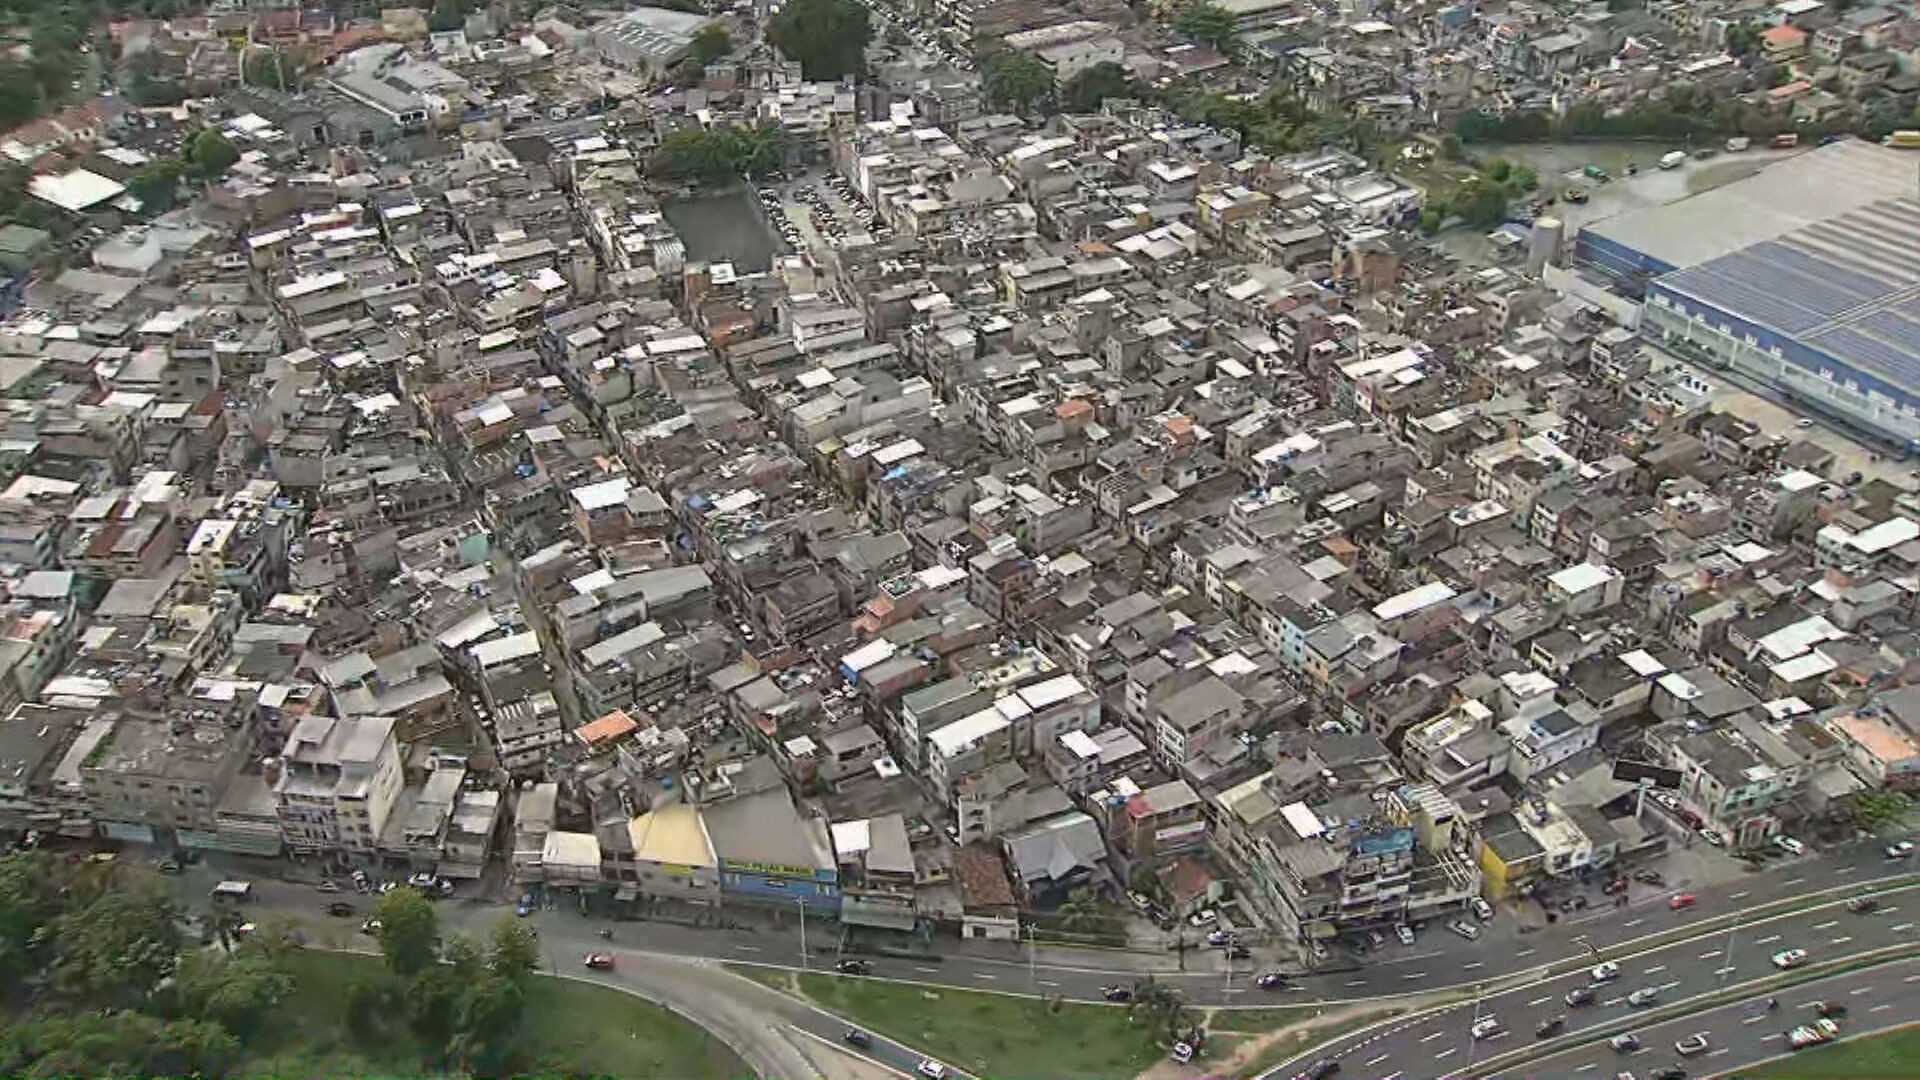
853,967
340,909
1116,993
856,1037
1320,1070
1549,1028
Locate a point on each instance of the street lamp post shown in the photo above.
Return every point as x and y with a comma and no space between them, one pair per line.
1726,955
803,933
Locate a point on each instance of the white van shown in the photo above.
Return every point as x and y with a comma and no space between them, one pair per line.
1674,159
233,890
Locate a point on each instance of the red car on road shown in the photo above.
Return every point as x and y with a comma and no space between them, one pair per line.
1682,902
600,961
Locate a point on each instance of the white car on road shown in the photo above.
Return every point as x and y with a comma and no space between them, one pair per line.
1606,972
1486,1028
1789,958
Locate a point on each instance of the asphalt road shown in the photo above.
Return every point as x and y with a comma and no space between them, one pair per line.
1436,961
767,1028
1437,1043
1743,1033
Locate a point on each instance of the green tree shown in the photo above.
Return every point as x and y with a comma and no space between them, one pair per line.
31,899
237,992
372,1005
515,952
828,37
117,1044
115,951
488,1021
448,15
1084,92
1165,1010
1207,24
21,98
433,1005
1018,80
209,154
711,43
157,185
409,931
1875,810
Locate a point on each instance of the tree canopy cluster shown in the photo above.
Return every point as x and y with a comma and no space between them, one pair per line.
828,37
720,152
1205,23
120,988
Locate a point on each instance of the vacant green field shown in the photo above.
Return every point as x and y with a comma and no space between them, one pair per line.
570,1028
994,1035
1892,1056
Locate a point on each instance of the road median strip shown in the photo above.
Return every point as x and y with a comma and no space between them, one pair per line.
1690,1006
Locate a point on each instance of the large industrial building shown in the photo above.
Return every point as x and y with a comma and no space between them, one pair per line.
1805,276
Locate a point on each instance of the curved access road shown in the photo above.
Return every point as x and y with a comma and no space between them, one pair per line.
1437,1043
1745,1033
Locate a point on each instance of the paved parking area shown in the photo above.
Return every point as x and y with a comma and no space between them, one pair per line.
1779,416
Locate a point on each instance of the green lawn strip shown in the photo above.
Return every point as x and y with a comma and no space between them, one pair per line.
1311,1035
569,1026
1889,1055
992,1035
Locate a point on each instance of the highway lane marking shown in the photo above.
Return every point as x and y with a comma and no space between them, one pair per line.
1668,985
1911,979
1795,881
1537,1001
1523,953
1754,1019
1840,941
1377,1060
1768,940
1635,922
1858,990
1728,970
1044,982
1433,1036
1415,975
1888,910
984,975
1881,1008
1903,928
1738,896
1708,955
748,948
928,970
1846,869
1656,969
1357,982
1828,925
1770,1038
1716,1053
1449,1050
1470,967
1584,1068
1611,1002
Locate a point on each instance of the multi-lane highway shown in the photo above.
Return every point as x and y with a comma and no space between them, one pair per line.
1439,1043
1436,961
1745,1032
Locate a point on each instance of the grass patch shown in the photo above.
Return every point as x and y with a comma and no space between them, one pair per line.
994,1035
1258,1021
569,1027
1871,1057
1313,1035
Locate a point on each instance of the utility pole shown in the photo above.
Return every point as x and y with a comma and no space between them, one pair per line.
803,933
1473,1040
